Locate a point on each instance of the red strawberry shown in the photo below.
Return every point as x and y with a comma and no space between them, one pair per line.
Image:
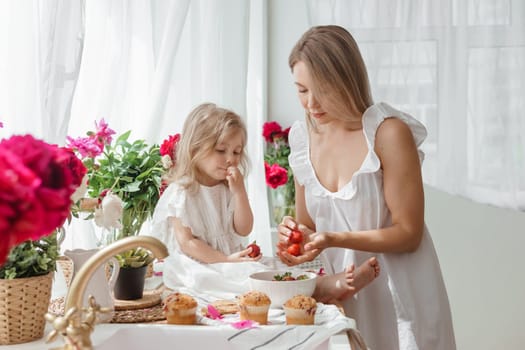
294,249
256,250
295,237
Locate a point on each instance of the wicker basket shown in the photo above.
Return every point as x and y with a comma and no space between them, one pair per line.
66,264
23,304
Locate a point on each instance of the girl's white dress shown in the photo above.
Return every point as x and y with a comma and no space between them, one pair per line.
406,307
209,214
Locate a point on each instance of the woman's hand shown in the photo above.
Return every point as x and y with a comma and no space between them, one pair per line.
285,229
318,241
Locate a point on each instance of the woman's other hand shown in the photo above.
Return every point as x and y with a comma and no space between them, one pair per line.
318,241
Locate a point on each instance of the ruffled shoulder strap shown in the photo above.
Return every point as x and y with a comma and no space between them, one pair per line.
377,113
299,159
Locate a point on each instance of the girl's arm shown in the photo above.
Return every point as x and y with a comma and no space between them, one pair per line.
403,190
194,247
200,250
242,214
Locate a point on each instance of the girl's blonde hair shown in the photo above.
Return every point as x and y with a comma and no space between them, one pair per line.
206,126
338,71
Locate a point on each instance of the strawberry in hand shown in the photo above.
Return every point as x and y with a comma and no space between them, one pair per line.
294,249
295,237
256,250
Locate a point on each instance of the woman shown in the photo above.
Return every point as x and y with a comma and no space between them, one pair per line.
359,193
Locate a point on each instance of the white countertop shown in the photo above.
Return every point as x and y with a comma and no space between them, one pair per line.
104,331
110,332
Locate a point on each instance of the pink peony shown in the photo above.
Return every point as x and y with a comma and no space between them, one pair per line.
88,147
104,133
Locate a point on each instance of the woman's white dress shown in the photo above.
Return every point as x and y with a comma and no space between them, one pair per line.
406,307
209,214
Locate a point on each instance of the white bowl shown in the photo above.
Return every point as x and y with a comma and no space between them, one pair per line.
280,291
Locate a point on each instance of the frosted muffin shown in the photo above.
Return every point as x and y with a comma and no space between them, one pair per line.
254,305
180,308
300,310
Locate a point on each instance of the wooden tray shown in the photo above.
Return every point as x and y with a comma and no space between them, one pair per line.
149,299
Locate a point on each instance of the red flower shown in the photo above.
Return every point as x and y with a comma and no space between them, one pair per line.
36,184
270,130
102,194
285,133
276,175
78,169
163,186
169,146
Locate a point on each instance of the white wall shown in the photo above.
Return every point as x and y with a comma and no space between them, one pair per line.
479,246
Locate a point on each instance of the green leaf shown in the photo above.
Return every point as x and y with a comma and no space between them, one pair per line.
31,258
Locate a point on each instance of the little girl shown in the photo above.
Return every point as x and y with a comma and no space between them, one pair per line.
205,208
204,213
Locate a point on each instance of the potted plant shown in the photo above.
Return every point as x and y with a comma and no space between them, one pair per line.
130,282
36,184
279,176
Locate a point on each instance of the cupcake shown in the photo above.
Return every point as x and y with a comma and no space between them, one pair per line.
180,308
254,305
300,310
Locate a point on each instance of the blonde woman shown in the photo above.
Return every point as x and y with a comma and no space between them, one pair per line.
359,195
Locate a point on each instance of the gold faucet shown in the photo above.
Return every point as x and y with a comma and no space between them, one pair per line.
75,330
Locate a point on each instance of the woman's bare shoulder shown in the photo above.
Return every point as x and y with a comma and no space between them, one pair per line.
393,131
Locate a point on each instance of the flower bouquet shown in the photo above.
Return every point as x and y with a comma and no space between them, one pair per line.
36,184
123,179
279,176
123,184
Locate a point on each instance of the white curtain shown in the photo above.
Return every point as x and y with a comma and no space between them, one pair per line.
140,65
459,67
40,49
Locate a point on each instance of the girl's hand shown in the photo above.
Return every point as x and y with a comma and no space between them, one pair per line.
242,255
235,180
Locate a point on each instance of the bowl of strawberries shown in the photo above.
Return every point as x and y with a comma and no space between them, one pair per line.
281,285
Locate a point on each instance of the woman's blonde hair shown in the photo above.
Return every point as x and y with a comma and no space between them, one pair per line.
206,126
338,71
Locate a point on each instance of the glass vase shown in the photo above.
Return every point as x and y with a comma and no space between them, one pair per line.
281,203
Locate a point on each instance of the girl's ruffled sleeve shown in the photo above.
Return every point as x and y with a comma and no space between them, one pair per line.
172,203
